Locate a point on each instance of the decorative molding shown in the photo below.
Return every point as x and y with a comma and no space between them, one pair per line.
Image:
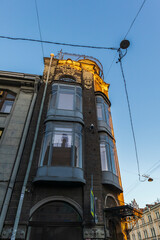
96,232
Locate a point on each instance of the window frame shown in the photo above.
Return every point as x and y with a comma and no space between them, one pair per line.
110,151
4,99
51,132
74,90
105,109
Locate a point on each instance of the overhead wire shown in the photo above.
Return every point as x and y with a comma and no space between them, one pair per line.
39,27
130,115
57,43
135,18
109,69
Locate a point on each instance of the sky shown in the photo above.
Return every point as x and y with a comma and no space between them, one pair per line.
101,23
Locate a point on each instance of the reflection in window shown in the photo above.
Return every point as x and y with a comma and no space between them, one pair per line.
62,145
108,153
103,111
66,97
6,101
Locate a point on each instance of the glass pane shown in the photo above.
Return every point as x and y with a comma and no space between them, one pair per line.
107,114
99,112
78,103
53,100
65,101
7,106
46,149
10,96
113,160
62,149
104,163
78,162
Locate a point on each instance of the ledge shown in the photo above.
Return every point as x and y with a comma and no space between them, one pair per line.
59,174
111,179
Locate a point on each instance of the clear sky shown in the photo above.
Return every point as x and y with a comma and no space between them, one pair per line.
101,23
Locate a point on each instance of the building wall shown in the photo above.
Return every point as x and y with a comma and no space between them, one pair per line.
40,190
145,224
12,124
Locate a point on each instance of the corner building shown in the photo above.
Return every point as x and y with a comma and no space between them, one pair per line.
75,153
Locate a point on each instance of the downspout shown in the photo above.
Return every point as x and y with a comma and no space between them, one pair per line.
16,166
15,227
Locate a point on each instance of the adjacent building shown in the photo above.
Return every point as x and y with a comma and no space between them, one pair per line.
148,227
59,175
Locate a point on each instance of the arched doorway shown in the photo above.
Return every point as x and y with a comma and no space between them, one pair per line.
55,220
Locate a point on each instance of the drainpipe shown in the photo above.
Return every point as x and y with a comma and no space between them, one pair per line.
15,227
16,166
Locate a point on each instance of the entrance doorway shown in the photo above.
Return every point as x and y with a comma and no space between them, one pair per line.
55,220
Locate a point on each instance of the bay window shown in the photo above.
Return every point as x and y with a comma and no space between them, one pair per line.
62,145
66,97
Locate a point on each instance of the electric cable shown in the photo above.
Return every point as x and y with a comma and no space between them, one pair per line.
111,66
57,43
39,27
130,114
135,18
127,34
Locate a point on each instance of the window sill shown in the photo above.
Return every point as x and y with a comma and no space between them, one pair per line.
60,174
111,179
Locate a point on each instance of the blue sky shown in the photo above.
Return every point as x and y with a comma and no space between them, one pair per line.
100,23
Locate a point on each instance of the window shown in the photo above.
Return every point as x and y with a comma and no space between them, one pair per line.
153,232
66,97
103,111
6,101
133,237
1,132
145,234
157,215
143,222
108,153
149,218
139,236
62,145
67,79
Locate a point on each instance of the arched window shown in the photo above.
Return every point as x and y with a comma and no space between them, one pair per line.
6,101
55,220
67,78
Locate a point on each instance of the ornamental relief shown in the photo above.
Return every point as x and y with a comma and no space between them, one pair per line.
67,70
88,83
